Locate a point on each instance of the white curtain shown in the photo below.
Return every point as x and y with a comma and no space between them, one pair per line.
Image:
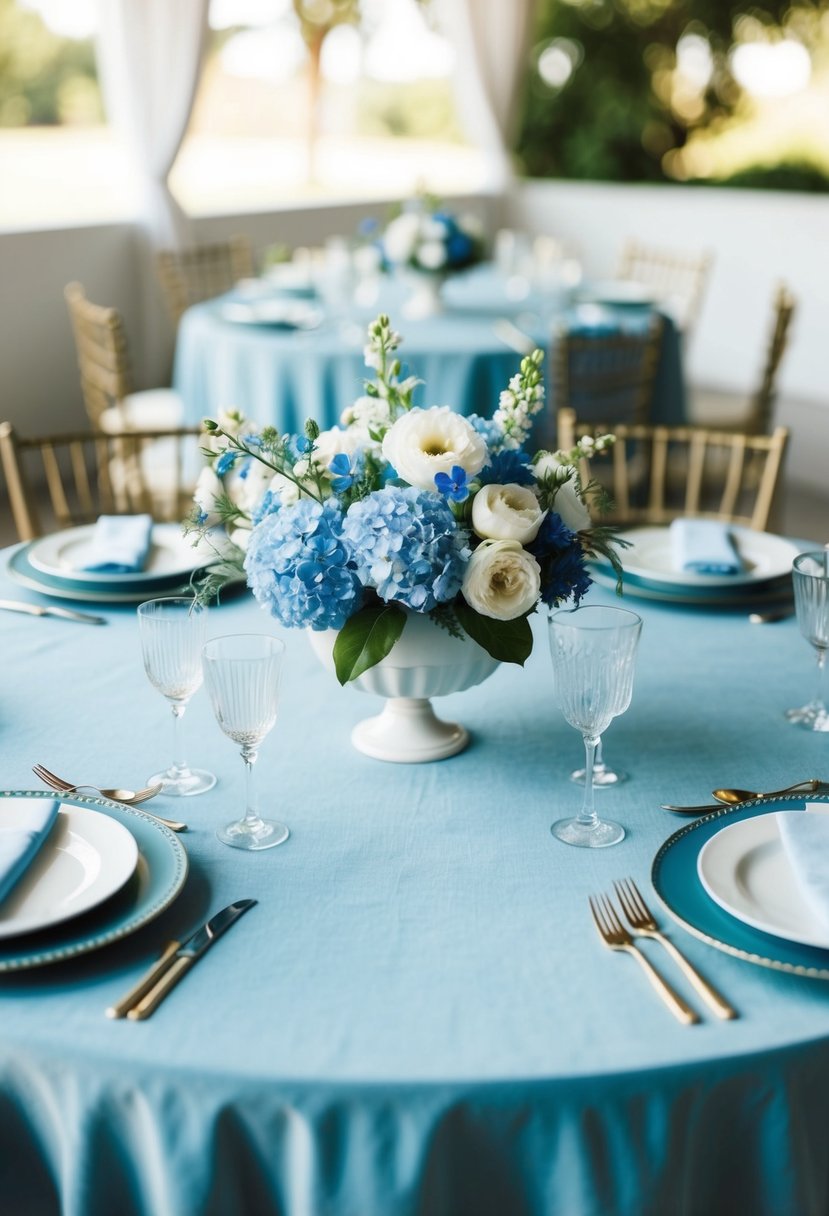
491,39
149,59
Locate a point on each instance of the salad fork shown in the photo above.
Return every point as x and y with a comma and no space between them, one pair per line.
66,787
642,924
616,937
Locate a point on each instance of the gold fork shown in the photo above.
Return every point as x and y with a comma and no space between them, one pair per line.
65,787
616,937
642,924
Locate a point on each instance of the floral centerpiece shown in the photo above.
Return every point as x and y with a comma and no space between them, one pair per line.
424,244
402,511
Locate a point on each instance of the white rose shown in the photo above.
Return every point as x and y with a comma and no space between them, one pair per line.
509,512
422,443
431,255
401,236
569,505
502,580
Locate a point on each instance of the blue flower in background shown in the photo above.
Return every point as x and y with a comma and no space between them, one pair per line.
297,566
453,486
226,461
509,467
368,226
560,556
406,543
343,478
458,248
302,445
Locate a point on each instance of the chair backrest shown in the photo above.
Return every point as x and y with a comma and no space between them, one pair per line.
80,475
202,272
762,401
103,355
654,474
605,378
679,279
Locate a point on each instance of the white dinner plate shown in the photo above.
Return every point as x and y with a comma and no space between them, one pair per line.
744,868
650,558
752,597
87,857
283,313
63,554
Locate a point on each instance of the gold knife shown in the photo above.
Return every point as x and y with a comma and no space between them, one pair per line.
68,614
176,961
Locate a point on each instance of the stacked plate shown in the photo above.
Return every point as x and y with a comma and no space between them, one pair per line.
104,871
275,312
649,572
53,565
728,879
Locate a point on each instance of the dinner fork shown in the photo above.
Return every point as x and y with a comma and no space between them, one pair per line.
642,924
616,937
66,787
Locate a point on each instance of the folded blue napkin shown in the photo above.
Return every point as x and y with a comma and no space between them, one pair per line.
704,546
120,544
805,839
19,845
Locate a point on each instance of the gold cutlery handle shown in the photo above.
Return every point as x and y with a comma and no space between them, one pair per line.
678,1007
151,977
156,995
706,990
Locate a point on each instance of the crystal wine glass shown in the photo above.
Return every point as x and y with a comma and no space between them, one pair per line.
810,576
603,774
242,673
593,651
173,631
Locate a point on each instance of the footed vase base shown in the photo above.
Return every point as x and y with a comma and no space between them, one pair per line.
409,732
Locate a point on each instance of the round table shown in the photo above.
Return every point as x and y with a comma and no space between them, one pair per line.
463,355
418,1015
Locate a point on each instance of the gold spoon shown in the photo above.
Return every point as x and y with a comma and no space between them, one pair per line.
127,797
729,796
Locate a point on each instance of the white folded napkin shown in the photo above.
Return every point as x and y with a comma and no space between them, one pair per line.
704,546
19,845
805,840
119,545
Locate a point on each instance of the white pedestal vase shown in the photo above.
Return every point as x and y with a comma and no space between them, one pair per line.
425,662
424,299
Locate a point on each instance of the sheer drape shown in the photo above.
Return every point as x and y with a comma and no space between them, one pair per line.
491,39
149,60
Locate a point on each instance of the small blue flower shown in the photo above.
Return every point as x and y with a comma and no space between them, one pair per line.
252,441
343,478
226,461
453,485
302,445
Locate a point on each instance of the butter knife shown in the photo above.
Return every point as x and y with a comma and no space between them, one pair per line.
176,961
51,610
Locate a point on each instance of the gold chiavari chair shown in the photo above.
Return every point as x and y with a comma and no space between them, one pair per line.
604,378
202,272
106,371
654,474
57,481
679,279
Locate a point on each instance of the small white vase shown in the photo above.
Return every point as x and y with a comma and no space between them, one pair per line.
424,299
424,662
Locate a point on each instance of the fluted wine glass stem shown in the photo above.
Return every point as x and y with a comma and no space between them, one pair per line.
587,816
820,694
253,819
179,767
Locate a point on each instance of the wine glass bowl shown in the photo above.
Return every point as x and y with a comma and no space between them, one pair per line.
242,672
172,632
810,580
593,651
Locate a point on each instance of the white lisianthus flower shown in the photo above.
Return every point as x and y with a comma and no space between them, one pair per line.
431,255
509,512
331,443
568,503
401,236
422,443
502,580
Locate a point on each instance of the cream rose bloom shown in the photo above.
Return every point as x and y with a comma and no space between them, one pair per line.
422,443
509,512
571,507
502,580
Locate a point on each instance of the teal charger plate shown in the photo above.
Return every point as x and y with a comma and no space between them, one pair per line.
22,571
678,886
159,877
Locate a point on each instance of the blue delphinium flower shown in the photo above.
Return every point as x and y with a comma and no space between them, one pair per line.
509,467
343,478
226,461
302,445
560,556
453,485
297,566
406,543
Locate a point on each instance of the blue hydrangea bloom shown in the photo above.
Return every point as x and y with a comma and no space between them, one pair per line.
560,556
453,485
489,431
505,468
406,543
298,568
268,503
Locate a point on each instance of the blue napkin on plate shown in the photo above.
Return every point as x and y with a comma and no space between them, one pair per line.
120,544
704,546
19,845
805,839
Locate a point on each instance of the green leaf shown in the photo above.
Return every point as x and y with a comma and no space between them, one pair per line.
506,641
366,638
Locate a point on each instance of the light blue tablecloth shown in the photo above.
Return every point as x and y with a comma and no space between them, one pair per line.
283,376
418,1018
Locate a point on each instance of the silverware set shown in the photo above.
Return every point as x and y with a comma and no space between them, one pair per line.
125,797
731,797
640,922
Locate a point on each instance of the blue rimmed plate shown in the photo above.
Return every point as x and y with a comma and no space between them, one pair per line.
158,878
22,571
677,884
